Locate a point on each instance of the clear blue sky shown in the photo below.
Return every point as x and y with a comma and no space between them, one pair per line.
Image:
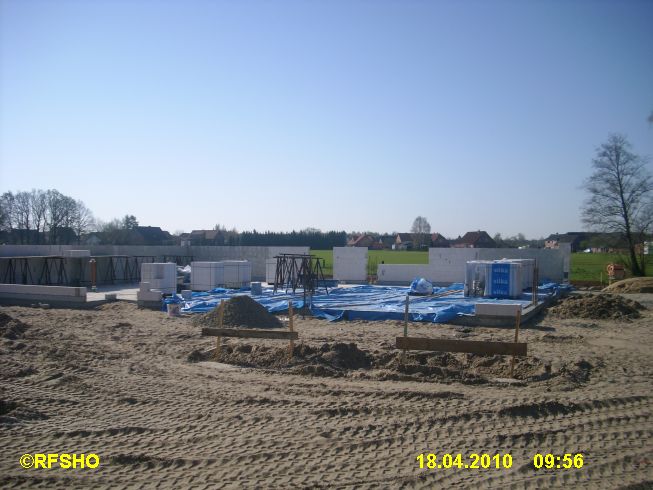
355,115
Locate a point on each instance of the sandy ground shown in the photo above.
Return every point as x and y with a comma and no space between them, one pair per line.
118,382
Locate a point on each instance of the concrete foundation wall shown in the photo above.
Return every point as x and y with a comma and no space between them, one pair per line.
447,265
350,264
74,271
402,274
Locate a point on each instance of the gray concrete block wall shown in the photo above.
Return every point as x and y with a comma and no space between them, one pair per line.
403,274
255,255
449,264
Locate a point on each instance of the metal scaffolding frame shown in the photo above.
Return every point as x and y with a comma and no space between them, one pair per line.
52,272
295,271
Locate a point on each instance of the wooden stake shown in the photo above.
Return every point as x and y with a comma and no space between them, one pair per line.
517,322
403,355
291,347
218,345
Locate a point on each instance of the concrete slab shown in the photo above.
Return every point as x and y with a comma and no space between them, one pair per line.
125,292
21,294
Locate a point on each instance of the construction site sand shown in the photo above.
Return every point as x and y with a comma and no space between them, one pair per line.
632,285
239,311
596,306
344,413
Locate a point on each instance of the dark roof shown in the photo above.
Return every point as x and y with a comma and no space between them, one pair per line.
387,239
473,237
405,237
152,233
568,237
361,238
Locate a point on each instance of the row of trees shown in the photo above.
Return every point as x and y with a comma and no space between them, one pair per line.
310,237
40,216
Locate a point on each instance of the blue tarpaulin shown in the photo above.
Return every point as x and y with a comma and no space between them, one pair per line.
366,302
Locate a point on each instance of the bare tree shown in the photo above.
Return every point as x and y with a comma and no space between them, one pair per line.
620,195
420,231
61,212
23,215
7,212
39,205
83,220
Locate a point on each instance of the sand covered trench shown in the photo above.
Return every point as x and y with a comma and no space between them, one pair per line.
146,394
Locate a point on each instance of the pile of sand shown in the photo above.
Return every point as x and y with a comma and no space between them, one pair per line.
596,307
632,285
343,359
327,360
465,368
240,311
11,328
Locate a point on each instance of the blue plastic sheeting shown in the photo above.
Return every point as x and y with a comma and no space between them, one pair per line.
367,302
201,302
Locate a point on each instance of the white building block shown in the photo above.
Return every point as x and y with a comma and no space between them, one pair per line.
148,296
497,309
270,270
161,276
42,293
227,273
350,264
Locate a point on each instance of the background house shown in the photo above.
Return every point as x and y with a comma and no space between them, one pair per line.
364,240
474,239
403,241
438,241
574,238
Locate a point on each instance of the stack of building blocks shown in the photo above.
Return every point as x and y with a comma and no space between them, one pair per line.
205,276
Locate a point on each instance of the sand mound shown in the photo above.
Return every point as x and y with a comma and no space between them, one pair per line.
597,307
240,311
343,359
632,285
464,368
10,328
327,360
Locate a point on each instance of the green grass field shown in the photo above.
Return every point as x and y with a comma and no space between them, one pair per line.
375,257
584,267
592,267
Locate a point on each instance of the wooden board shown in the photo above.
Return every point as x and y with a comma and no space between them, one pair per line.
250,333
471,346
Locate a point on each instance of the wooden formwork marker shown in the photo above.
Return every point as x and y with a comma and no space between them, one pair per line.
517,322
291,347
403,355
218,345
